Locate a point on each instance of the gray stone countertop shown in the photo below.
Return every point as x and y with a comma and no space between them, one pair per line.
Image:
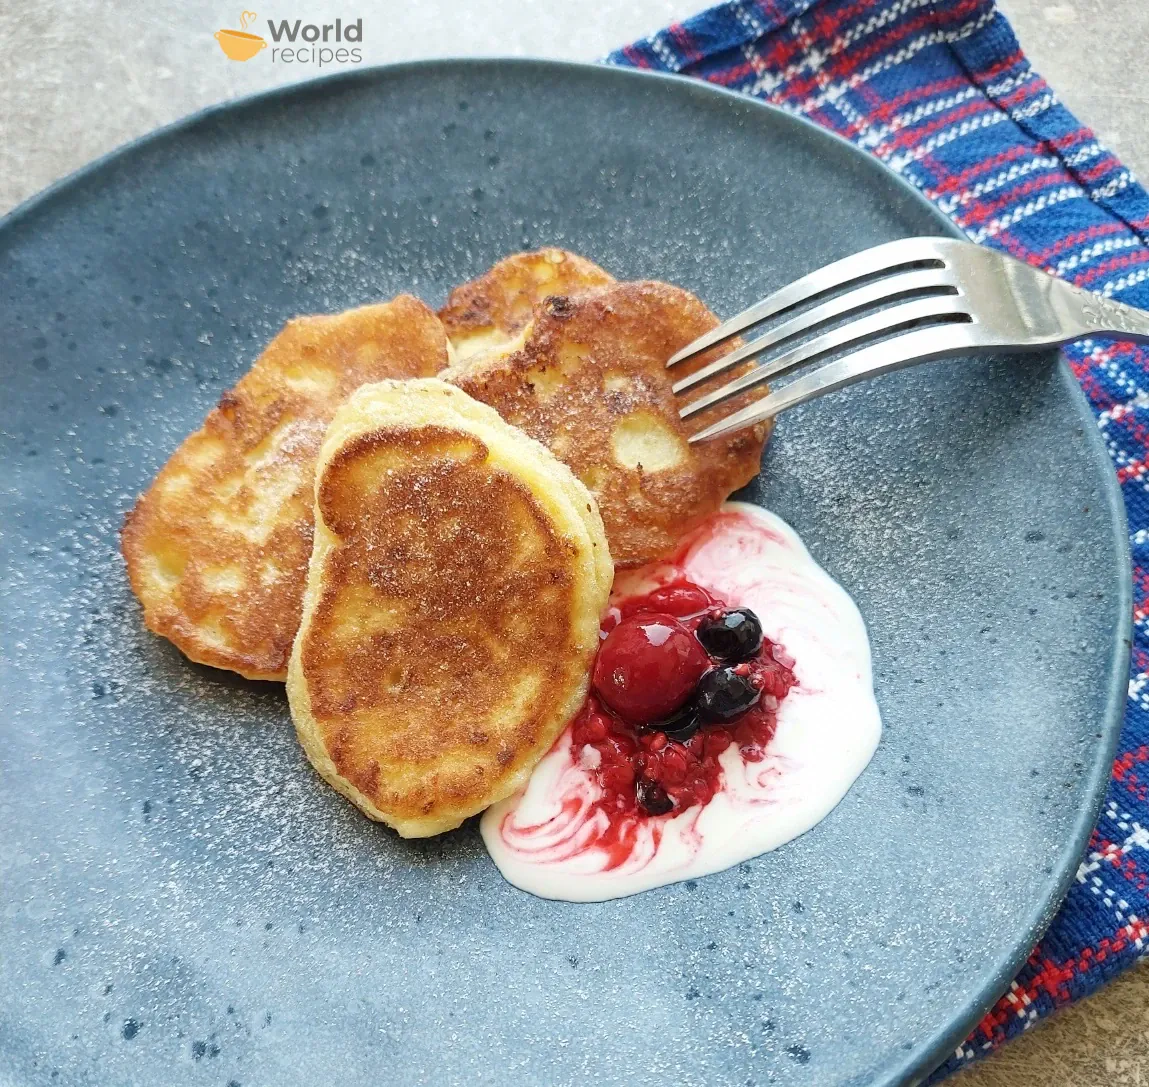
83,76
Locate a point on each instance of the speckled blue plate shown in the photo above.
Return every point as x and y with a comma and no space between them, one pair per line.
182,901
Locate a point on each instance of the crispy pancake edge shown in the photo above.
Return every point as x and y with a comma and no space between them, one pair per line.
246,414
492,309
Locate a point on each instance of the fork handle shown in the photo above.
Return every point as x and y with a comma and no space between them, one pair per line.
1103,317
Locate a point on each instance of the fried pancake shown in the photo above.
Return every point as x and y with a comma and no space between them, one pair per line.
217,547
452,606
588,379
490,311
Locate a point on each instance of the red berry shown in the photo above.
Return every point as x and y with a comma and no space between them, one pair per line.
595,729
680,599
673,766
717,741
745,732
619,777
648,666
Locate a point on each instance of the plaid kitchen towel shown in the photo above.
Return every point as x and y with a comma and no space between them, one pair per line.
940,92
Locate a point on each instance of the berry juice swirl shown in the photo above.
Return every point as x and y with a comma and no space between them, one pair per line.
731,708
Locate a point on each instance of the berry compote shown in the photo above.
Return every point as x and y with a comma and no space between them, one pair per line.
680,677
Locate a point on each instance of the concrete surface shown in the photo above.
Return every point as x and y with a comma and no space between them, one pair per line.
80,78
83,76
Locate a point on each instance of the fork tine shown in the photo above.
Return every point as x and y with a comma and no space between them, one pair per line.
891,289
888,257
917,345
887,320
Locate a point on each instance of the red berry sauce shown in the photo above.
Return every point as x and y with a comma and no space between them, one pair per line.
647,668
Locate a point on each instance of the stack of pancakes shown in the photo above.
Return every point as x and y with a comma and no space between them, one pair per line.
411,519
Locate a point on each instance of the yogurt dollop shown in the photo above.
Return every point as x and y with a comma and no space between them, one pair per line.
545,840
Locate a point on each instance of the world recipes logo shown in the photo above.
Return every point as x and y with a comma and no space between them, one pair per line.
295,42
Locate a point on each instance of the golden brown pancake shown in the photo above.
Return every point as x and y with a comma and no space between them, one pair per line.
588,379
217,547
452,606
490,311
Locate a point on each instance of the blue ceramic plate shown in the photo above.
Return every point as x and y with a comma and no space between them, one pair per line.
184,902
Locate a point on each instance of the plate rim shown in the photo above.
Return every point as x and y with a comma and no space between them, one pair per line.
934,1048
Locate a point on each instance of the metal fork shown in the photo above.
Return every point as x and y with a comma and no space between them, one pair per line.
908,301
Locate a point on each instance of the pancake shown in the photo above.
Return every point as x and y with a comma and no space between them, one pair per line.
217,547
451,614
490,311
588,379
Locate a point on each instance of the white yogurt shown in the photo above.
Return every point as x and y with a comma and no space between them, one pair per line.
544,838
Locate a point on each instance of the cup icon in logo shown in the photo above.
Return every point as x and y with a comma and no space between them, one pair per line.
238,44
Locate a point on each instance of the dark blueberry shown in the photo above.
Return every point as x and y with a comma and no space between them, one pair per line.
680,725
723,695
652,797
734,635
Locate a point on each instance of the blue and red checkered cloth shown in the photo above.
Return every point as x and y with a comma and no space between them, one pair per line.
940,91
